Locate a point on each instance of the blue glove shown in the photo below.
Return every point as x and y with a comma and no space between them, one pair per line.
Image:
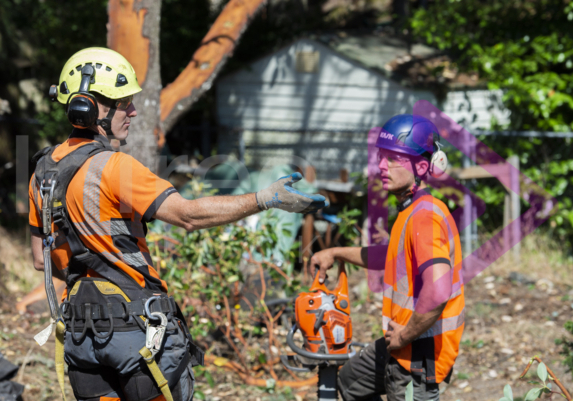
281,195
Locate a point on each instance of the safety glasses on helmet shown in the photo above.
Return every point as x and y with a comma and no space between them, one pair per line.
393,159
124,102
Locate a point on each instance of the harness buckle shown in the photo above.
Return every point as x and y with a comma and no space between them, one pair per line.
154,333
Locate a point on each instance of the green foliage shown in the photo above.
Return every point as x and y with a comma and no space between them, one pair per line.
525,49
46,33
534,393
348,223
55,126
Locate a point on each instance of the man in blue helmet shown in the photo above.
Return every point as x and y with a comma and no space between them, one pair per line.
423,305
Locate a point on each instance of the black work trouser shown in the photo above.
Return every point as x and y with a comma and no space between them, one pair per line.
112,368
373,372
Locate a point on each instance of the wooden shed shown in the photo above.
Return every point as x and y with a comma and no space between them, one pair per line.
315,100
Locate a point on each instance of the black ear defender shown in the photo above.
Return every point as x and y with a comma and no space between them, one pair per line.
81,108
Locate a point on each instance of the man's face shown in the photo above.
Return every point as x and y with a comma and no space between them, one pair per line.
395,171
125,111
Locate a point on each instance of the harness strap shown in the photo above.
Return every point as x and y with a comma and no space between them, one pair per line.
59,359
77,247
116,309
162,383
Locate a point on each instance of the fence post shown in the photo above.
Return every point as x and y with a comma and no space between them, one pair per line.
515,206
468,204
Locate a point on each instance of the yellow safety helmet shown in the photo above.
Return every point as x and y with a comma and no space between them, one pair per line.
114,76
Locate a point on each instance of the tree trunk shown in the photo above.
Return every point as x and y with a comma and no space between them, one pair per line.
133,31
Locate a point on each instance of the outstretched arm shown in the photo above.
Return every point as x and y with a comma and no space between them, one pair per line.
217,210
206,212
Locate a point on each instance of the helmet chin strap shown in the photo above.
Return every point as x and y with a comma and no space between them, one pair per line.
105,123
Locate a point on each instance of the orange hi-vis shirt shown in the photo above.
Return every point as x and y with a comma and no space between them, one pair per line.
423,235
109,201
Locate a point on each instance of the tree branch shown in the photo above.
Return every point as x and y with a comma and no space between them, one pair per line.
219,44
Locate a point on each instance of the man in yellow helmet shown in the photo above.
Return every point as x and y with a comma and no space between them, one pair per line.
124,337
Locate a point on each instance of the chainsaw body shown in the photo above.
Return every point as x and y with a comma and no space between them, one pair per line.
323,317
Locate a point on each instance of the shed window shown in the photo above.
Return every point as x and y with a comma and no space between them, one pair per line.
307,61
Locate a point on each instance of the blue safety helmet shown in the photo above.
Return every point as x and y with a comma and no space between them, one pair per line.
409,134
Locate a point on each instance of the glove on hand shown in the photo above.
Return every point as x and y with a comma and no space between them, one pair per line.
281,195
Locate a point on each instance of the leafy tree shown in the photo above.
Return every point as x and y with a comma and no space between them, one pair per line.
524,48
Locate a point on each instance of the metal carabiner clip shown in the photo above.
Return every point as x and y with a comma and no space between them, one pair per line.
154,334
148,313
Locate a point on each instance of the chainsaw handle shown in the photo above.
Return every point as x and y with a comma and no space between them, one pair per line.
342,281
312,355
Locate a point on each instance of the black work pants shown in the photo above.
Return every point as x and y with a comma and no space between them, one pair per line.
373,372
112,368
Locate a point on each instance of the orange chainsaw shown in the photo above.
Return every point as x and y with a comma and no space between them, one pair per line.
323,318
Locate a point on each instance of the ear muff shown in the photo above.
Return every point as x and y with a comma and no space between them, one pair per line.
82,109
439,162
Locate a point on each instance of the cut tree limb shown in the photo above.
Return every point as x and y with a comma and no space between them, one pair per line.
216,47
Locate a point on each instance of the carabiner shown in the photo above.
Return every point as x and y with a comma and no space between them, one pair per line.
154,334
148,313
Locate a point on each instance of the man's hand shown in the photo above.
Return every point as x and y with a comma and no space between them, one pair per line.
322,261
393,336
281,195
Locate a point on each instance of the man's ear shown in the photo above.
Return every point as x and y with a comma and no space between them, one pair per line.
422,167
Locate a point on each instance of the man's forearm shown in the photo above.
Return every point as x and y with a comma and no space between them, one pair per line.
359,256
217,210
356,255
420,323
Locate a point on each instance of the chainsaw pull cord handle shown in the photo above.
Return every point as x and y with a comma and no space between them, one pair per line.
342,286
